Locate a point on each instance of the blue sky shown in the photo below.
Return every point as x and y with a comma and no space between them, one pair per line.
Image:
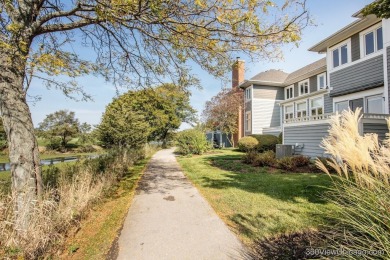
329,16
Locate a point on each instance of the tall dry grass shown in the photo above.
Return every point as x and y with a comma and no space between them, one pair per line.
70,192
361,188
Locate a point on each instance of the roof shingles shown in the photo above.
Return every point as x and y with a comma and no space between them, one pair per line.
279,76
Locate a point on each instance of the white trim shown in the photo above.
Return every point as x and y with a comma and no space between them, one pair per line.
366,103
276,100
325,81
343,101
250,90
247,127
314,122
319,92
296,109
285,111
386,44
311,107
299,87
362,40
285,92
362,94
330,55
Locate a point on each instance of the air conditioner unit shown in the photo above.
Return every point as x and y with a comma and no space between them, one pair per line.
283,150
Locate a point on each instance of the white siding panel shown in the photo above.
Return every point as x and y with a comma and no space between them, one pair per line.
265,114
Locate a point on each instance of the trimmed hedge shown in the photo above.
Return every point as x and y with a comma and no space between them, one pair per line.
247,143
266,142
192,141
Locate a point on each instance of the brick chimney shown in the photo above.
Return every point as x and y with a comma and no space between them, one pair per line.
238,72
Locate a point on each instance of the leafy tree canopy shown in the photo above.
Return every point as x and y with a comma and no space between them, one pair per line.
380,8
155,113
61,124
222,111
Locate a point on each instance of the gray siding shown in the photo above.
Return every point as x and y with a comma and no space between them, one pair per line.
313,83
388,74
268,92
309,135
355,47
361,74
296,93
275,118
377,128
328,104
271,132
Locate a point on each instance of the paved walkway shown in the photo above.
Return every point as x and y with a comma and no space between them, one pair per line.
169,219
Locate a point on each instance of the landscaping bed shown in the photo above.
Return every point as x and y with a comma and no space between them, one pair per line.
260,205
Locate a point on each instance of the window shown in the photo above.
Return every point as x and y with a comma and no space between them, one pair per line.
248,121
289,92
374,105
341,106
303,87
316,106
321,81
373,41
340,55
301,109
248,94
289,112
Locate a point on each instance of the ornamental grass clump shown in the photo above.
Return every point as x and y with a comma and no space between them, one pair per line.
361,188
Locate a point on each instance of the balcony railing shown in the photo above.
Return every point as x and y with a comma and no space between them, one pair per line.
308,118
375,116
328,115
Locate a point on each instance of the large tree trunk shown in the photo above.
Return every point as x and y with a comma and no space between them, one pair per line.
22,143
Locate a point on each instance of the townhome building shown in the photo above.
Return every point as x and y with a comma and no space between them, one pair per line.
355,73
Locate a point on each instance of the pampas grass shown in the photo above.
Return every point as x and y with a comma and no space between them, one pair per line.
361,190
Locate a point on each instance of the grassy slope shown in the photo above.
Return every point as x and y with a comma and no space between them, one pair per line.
100,229
255,202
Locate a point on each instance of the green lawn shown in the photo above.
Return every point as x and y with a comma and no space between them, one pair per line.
257,202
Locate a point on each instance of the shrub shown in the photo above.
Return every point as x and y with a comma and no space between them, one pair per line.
247,143
54,143
86,149
301,161
249,157
291,163
362,192
192,141
265,159
287,163
266,142
69,193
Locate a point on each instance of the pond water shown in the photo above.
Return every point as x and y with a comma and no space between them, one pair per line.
51,161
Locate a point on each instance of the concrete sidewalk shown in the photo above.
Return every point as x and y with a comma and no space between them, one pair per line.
169,219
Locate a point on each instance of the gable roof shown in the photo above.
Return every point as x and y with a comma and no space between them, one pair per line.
302,73
281,79
276,76
346,32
